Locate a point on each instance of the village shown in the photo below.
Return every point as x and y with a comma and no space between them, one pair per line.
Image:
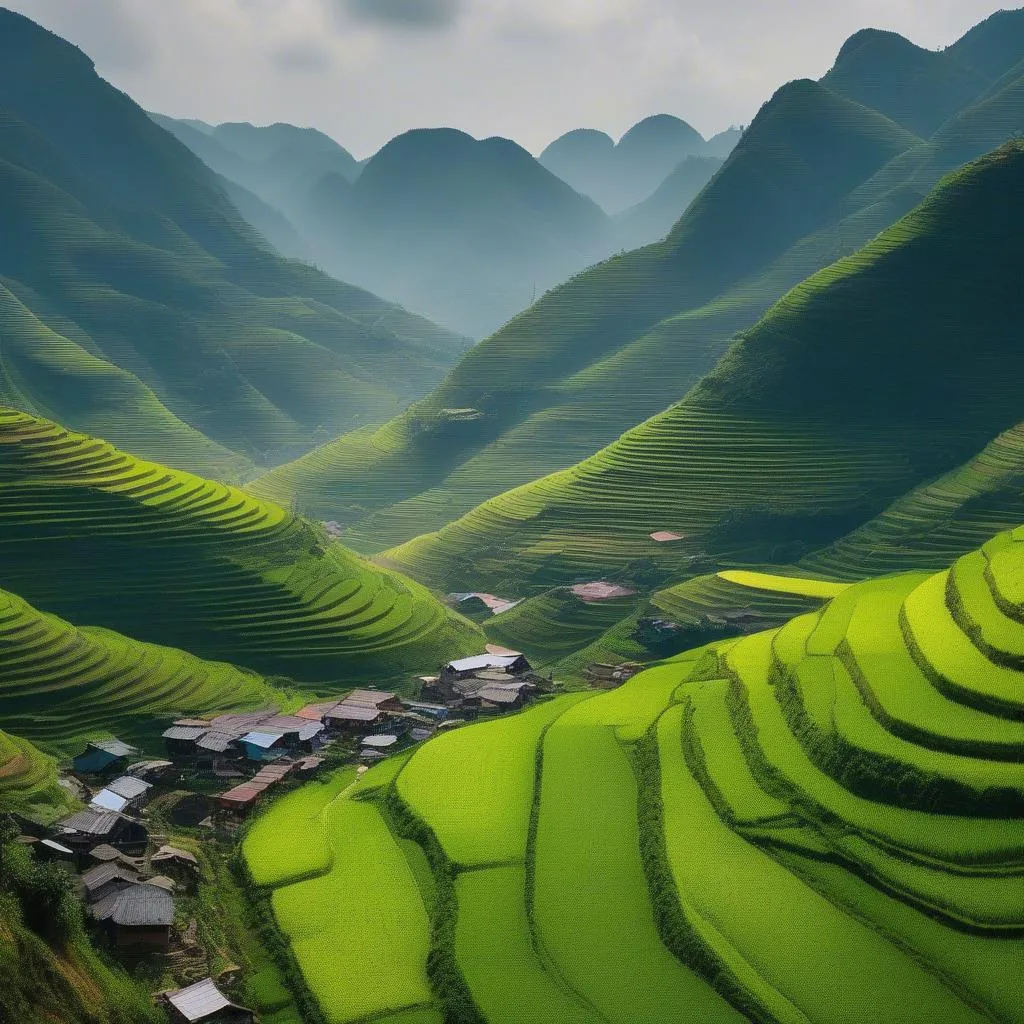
211,777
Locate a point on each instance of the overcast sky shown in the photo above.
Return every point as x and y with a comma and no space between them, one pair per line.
365,70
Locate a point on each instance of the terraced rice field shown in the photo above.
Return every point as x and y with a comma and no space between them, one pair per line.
28,781
356,922
60,685
104,539
814,824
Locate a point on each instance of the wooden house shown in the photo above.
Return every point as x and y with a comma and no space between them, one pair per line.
103,756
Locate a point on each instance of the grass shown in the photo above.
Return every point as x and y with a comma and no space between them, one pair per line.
480,774
494,945
848,972
28,781
363,914
102,538
763,463
795,825
590,899
775,584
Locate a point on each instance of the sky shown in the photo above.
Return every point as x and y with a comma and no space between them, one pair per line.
366,70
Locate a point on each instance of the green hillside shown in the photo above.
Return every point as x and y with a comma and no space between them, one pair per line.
618,343
60,685
104,539
818,823
917,88
834,404
28,781
136,301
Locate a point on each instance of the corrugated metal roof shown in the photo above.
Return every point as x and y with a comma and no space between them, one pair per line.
114,746
106,800
284,723
498,695
373,698
184,732
263,740
201,1000
386,740
217,742
311,729
129,787
354,712
97,877
54,845
483,661
142,906
104,852
92,822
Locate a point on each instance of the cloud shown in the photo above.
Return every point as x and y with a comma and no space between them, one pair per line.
303,55
420,14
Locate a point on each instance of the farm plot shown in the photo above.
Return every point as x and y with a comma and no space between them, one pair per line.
474,787
590,901
803,957
508,980
359,932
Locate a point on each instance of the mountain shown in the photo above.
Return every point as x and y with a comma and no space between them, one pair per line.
645,223
138,303
614,345
915,87
620,175
279,163
625,340
464,231
103,539
816,823
837,401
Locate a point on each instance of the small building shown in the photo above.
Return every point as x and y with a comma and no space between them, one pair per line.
101,756
263,745
608,677
503,696
352,717
89,828
382,700
105,879
510,664
125,795
180,740
312,737
139,918
374,745
430,709
204,1003
180,865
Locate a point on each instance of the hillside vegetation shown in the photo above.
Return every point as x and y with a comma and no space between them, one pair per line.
135,300
28,781
818,823
814,177
104,539
794,440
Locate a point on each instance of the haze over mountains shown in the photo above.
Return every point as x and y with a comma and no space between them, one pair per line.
467,232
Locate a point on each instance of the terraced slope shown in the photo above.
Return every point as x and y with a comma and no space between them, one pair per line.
60,685
136,301
820,823
614,345
939,520
104,539
627,339
28,781
791,442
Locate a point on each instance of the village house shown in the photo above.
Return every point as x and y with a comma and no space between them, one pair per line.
125,795
102,756
204,1003
103,881
138,918
179,865
83,831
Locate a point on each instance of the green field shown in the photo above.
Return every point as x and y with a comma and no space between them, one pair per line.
28,781
803,825
358,927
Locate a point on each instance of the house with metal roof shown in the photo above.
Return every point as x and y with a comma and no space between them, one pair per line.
102,756
139,917
89,828
125,795
204,1003
263,744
